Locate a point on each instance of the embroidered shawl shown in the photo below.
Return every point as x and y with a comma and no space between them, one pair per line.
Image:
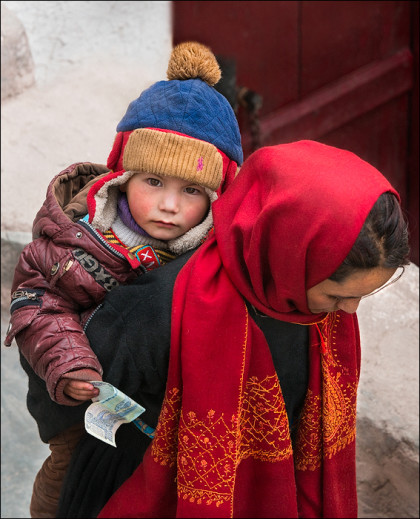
222,445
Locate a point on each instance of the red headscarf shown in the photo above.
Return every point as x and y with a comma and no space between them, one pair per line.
222,445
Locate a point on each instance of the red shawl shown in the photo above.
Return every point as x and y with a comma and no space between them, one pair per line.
222,445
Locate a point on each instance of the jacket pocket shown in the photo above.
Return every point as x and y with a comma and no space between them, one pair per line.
20,320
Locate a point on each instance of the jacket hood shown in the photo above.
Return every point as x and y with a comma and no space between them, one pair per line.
66,198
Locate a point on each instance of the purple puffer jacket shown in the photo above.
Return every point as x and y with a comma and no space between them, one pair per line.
61,277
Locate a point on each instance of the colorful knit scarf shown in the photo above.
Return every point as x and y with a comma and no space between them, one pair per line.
222,446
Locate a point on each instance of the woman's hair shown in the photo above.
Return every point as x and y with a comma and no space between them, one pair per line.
382,242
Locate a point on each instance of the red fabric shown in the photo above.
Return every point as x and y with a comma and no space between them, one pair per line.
115,159
305,198
222,445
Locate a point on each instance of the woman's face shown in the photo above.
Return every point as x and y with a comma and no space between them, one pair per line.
330,296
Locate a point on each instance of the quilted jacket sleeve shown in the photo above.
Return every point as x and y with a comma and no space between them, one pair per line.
45,319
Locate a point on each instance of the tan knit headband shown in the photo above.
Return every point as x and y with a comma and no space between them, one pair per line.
164,153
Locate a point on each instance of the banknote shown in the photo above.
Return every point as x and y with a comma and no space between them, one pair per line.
110,409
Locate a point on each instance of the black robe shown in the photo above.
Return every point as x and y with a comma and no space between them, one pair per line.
130,333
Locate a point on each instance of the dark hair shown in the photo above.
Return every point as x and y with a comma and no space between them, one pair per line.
382,242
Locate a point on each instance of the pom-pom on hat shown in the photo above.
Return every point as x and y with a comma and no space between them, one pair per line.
181,127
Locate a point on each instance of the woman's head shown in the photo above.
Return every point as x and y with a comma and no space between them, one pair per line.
379,250
291,218
382,241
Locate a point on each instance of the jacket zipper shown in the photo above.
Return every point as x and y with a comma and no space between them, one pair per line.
22,295
91,316
101,239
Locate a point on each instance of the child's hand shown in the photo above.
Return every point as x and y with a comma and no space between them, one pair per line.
80,390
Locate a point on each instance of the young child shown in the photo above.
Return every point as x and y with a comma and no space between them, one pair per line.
177,147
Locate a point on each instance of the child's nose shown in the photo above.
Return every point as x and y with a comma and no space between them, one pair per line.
169,202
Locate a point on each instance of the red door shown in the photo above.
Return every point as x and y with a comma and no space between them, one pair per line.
340,72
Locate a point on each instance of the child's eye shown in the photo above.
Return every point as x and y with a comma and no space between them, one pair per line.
192,191
153,182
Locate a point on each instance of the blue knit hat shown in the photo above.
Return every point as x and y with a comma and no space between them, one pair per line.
187,103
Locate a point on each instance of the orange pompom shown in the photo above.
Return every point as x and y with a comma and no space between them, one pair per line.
191,60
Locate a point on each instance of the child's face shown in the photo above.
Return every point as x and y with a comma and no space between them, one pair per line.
165,207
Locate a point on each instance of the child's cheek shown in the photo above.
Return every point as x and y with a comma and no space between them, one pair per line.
195,214
140,208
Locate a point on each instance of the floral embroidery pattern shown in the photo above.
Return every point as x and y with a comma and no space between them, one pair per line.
208,456
209,448
308,451
164,446
327,430
264,423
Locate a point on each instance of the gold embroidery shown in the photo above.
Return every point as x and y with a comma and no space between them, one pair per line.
164,446
206,457
324,432
308,450
210,451
209,448
339,400
264,424
339,414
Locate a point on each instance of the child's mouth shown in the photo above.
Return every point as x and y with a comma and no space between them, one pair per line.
165,224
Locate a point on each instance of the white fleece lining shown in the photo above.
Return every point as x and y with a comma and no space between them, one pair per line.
106,201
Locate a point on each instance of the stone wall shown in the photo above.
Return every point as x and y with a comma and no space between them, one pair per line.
388,401
91,59
63,35
17,67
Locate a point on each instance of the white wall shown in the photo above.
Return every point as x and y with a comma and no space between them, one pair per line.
91,60
63,35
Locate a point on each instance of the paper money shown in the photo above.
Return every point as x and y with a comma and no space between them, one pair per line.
109,410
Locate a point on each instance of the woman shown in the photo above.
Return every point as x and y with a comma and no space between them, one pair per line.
259,410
